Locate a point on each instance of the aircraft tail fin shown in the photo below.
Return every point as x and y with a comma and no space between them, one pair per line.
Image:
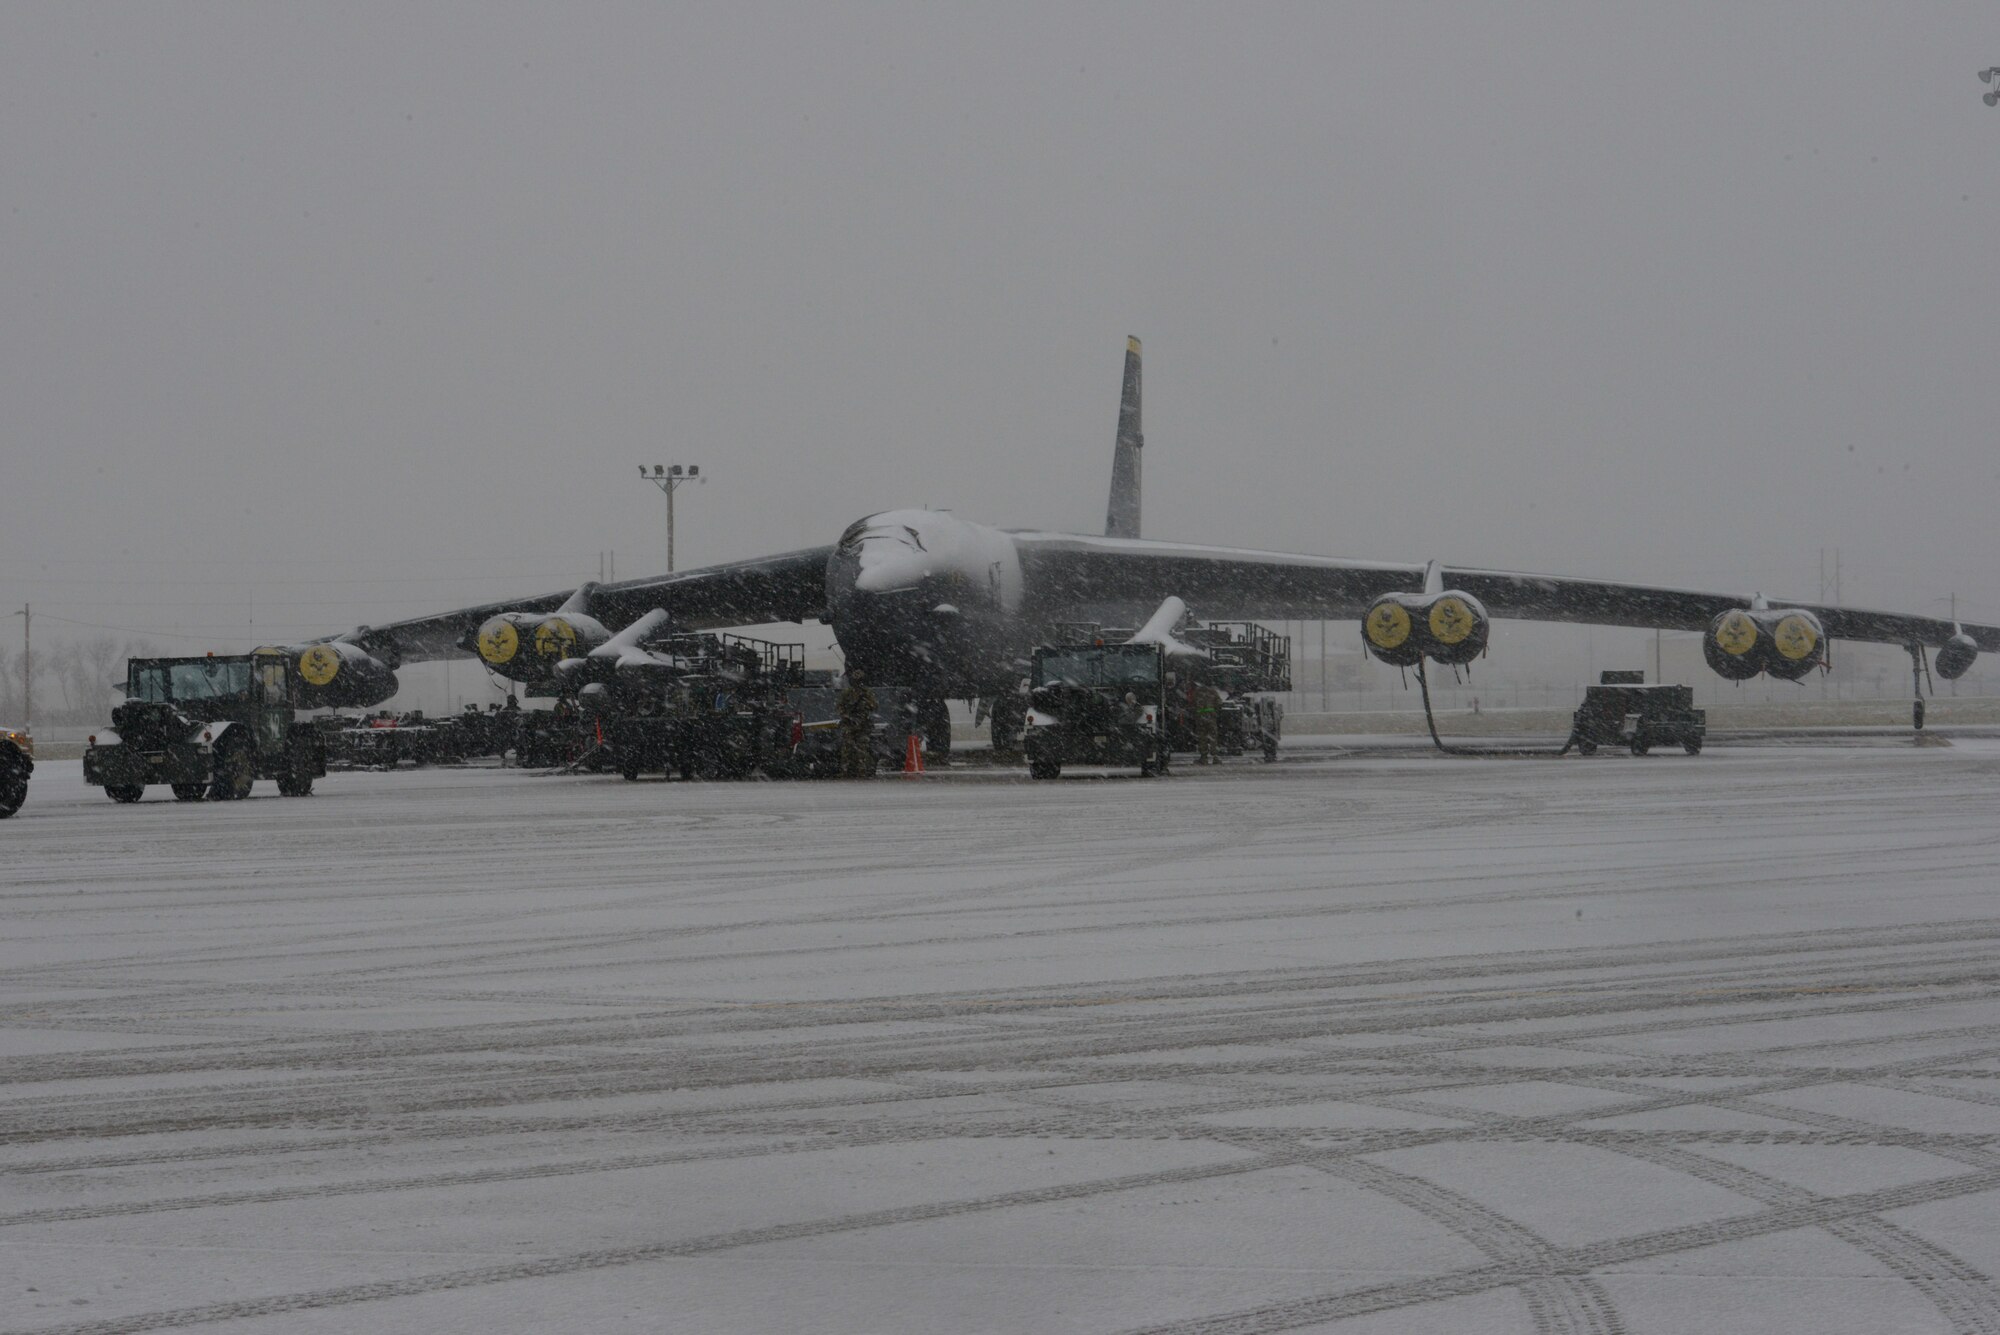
1121,518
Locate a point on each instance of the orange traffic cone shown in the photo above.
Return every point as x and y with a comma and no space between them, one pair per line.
913,756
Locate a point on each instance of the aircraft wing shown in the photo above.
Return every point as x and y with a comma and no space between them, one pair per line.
788,587
1079,578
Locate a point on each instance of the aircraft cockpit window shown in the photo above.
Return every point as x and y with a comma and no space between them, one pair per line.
863,529
850,541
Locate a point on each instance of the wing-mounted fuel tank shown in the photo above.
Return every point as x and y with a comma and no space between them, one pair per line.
526,646
1785,642
1447,626
340,674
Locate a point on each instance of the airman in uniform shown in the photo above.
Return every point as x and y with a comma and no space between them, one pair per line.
1207,723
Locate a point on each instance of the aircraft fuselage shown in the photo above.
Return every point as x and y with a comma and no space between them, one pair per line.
930,601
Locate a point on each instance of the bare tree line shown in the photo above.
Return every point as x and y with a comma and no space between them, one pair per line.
76,681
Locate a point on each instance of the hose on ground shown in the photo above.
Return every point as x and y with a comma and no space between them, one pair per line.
1502,752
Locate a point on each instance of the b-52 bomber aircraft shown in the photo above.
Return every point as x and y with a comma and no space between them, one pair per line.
952,609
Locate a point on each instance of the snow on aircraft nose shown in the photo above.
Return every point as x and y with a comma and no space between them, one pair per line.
889,560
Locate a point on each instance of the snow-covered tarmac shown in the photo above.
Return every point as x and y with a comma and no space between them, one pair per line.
1369,1044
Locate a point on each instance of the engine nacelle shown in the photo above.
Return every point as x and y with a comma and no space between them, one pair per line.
526,646
1449,627
1955,656
1798,644
1785,642
339,675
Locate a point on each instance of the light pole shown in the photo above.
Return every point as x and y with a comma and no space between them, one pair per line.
668,478
27,615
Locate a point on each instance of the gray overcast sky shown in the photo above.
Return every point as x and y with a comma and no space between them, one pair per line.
351,312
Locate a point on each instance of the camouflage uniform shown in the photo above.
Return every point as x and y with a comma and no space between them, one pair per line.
857,729
1207,723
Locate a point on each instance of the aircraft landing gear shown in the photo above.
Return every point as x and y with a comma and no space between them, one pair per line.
1009,719
934,722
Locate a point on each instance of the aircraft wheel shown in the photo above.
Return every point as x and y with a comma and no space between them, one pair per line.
125,792
190,792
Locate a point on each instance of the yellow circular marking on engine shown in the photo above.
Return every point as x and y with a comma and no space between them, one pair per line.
1795,637
498,642
555,638
1387,625
319,665
1451,620
1736,633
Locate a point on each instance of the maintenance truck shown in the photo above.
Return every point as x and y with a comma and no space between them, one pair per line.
1248,665
1097,704
17,762
207,727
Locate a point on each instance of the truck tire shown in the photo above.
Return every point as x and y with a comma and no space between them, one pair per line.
295,785
14,771
190,792
235,774
125,792
1039,768
1692,746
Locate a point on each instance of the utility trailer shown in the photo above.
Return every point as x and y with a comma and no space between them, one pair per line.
716,707
1250,665
815,702
1621,710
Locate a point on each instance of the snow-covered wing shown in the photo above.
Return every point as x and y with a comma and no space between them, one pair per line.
1070,577
1607,603
1082,578
787,587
